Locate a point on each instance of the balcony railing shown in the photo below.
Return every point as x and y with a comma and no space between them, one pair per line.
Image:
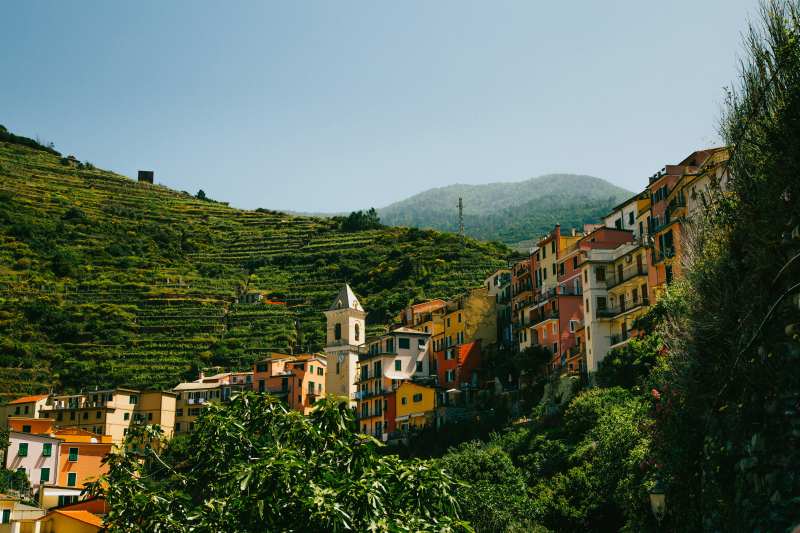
340,342
627,274
365,350
369,413
569,249
619,337
549,315
368,376
370,393
314,392
611,312
660,254
277,391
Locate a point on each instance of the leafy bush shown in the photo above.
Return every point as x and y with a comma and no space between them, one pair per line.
585,411
22,264
64,262
253,465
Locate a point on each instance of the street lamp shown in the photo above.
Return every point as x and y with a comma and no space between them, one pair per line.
658,501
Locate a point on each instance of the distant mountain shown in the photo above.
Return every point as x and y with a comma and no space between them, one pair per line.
507,212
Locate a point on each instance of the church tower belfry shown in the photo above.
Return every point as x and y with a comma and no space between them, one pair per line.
345,333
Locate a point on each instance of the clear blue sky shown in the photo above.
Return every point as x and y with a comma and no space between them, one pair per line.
335,106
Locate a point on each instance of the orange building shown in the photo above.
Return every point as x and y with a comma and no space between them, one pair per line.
299,380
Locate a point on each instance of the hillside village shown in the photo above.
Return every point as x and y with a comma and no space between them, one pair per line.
574,297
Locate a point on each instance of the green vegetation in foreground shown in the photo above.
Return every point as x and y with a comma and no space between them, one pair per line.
109,282
251,465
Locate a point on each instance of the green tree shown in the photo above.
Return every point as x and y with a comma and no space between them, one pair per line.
201,194
252,465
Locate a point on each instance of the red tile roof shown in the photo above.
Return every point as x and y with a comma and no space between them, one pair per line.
28,399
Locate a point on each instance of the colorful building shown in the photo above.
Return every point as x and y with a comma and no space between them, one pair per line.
111,412
66,521
36,455
27,407
299,380
385,362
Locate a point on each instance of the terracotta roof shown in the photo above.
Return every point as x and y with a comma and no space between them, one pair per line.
81,516
7,497
29,399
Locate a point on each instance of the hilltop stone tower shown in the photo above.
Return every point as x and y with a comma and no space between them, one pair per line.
345,334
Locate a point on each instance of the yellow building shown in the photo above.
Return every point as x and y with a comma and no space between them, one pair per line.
469,318
27,407
65,521
415,406
111,412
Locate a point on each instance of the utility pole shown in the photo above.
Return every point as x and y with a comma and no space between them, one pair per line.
461,220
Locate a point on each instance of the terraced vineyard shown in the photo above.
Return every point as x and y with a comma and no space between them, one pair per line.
105,281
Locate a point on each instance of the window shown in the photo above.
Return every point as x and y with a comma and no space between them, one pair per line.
601,303
575,263
259,368
149,416
319,371
98,414
26,429
554,269
86,415
311,368
397,364
23,449
248,379
554,328
134,400
337,368
300,382
544,253
586,276
191,426
404,343
72,479
419,366
337,332
16,411
73,454
299,398
194,411
630,219
417,398
450,375
544,333
404,401
72,415
60,417
600,274
179,412
6,517
555,347
573,324
97,430
588,333
358,331
544,273
26,409
47,449
449,354
460,337
178,426
126,416
459,318
45,476
448,322
553,246
124,431
421,342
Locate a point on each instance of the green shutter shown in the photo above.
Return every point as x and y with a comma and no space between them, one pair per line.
73,454
6,516
47,450
45,477
72,479
60,501
23,449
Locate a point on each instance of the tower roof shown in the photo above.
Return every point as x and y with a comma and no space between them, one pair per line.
346,300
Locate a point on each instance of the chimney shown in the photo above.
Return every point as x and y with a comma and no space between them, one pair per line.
573,232
202,376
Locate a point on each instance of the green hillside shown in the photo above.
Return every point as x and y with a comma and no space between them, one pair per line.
507,212
106,281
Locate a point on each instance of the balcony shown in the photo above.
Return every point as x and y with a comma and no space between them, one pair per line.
275,391
543,317
369,351
620,338
568,250
627,274
314,392
369,375
369,413
612,312
659,255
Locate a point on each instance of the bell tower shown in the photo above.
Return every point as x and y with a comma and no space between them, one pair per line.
345,333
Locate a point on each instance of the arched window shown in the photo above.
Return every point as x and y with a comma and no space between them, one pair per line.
358,328
339,304
337,332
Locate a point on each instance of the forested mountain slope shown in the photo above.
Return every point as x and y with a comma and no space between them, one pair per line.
109,282
508,212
